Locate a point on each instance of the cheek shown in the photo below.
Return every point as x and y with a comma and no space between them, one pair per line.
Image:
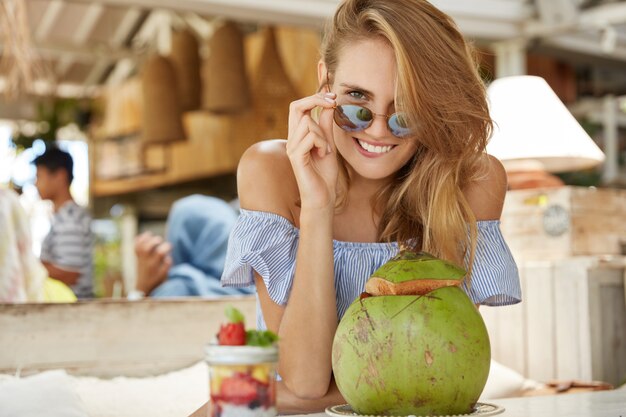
407,155
342,138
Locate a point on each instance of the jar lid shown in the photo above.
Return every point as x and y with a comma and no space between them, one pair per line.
239,355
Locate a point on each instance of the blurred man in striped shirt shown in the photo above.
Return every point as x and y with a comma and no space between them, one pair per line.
66,252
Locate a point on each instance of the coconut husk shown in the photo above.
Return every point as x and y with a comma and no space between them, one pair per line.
185,57
272,90
224,82
162,116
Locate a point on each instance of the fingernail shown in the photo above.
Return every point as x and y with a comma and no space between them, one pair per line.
329,94
330,100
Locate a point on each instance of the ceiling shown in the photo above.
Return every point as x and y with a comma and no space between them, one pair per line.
86,44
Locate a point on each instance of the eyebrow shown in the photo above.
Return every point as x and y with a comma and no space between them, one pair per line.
356,87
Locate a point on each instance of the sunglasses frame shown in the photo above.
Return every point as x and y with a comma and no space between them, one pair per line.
386,116
339,110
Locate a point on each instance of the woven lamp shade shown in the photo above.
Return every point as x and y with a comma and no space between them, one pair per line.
186,59
272,91
162,116
224,81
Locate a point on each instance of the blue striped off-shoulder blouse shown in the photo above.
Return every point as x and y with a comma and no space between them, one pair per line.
267,243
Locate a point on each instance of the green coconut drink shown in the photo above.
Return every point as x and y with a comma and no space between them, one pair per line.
423,352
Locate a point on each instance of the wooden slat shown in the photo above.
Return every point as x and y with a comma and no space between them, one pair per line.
608,341
111,338
570,307
539,298
574,321
507,332
49,18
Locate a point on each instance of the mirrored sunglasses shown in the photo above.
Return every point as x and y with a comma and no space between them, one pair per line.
353,118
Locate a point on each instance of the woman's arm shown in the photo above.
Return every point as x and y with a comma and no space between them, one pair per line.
486,195
288,403
306,325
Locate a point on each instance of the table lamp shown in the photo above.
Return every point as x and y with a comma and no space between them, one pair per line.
533,127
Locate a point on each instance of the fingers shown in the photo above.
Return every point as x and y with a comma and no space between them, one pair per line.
308,137
326,127
163,248
299,108
141,240
312,143
147,243
162,269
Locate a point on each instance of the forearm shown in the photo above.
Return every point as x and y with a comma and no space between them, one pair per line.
310,318
66,276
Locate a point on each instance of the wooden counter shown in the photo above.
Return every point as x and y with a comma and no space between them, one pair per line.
108,338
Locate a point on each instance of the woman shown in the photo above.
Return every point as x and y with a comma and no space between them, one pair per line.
396,157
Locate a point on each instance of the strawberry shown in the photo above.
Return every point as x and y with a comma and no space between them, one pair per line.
232,334
238,390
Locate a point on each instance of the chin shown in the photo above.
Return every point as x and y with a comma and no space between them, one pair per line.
374,174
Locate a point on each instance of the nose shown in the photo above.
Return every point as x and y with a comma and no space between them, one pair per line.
379,127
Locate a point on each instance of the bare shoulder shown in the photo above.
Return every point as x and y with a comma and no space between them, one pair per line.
486,194
265,180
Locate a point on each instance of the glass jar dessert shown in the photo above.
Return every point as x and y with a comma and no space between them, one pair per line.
242,380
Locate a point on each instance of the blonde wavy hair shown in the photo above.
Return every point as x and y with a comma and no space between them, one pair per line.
439,88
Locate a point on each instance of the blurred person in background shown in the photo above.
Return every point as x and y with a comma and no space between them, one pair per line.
190,262
22,276
67,250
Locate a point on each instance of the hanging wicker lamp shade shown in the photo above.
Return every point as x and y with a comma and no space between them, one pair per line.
162,116
224,81
186,59
272,90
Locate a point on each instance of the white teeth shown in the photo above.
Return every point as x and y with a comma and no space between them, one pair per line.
374,149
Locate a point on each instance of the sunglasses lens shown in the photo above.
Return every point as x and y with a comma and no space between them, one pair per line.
398,125
352,118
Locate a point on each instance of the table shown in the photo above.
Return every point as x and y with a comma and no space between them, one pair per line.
587,404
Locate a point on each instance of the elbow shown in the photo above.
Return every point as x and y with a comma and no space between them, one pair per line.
69,279
308,389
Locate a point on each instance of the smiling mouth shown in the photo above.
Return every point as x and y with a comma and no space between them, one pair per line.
374,149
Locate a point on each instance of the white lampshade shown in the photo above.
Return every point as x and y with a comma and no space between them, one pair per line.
531,123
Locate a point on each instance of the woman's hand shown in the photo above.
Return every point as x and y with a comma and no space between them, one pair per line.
311,148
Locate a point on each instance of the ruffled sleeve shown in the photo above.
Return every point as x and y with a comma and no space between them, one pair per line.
266,243
495,279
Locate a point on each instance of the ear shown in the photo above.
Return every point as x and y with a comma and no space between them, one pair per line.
60,176
322,76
